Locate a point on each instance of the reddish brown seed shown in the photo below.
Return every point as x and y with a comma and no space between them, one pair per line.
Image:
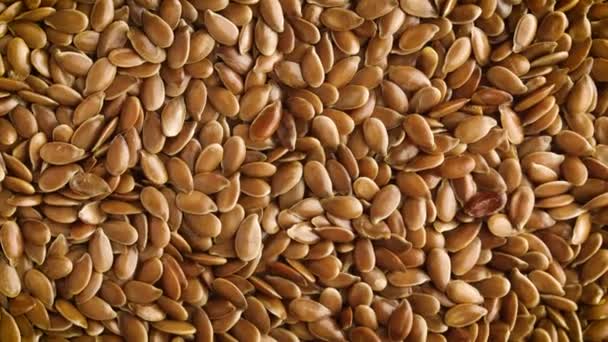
266,123
485,203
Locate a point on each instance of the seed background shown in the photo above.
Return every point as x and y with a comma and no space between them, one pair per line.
285,170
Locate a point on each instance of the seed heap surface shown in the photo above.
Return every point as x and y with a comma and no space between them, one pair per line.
299,170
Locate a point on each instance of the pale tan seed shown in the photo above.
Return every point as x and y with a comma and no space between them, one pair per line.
230,291
408,78
100,76
422,9
524,32
376,135
385,202
290,73
307,310
411,277
272,12
196,98
71,313
545,283
195,202
248,238
120,232
11,240
512,124
87,41
346,207
10,283
581,96
67,20
439,267
286,178
9,329
157,29
101,251
253,100
153,168
500,225
343,71
97,309
117,159
464,260
595,267
33,35
326,131
234,155
317,179
425,99
178,52
461,292
352,97
315,75
78,280
414,38
39,286
60,153
338,19
174,327
457,54
573,143
525,289
521,206
142,44
220,28
506,80
400,321
473,128
266,40
223,100
155,203
140,292
73,62
419,131
462,315
173,117
180,175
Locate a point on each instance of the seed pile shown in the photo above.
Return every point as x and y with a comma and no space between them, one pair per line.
284,170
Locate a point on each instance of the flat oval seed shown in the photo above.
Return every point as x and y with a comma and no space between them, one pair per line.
10,283
220,28
248,238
